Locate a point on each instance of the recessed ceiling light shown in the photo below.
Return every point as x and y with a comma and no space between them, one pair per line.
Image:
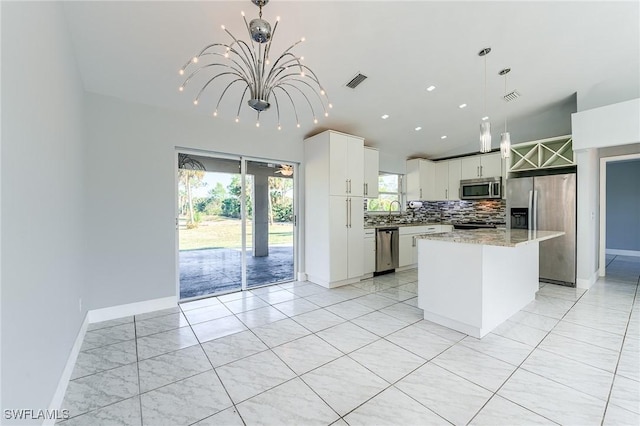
485,118
430,88
462,106
384,117
418,128
443,137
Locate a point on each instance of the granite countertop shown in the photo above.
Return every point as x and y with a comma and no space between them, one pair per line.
493,237
401,225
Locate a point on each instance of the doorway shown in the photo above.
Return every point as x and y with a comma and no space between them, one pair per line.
235,224
629,219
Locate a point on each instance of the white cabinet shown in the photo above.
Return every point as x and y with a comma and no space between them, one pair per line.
447,180
441,180
486,165
334,209
346,164
369,251
405,250
371,170
408,250
420,179
455,167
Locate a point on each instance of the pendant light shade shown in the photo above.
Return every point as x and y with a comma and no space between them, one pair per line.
505,138
485,136
505,145
485,126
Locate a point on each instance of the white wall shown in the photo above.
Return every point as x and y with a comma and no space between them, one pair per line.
611,125
131,199
42,202
606,127
587,235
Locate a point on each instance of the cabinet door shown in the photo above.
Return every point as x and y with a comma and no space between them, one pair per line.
441,180
491,165
470,167
405,255
369,254
355,243
453,192
338,164
355,166
427,179
338,237
371,170
412,179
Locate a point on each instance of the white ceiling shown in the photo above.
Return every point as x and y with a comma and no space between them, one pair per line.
133,50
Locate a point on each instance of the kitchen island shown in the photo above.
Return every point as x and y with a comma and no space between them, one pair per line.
473,280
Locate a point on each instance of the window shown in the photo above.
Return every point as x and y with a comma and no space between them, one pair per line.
389,190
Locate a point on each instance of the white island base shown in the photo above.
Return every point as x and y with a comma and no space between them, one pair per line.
473,288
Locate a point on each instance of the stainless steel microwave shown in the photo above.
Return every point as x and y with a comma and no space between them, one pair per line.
481,189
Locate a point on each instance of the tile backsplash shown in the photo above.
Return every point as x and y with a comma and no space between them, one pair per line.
492,211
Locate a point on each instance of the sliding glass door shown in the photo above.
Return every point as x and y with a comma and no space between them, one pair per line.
235,224
269,206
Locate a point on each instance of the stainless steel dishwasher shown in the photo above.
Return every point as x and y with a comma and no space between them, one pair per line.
387,249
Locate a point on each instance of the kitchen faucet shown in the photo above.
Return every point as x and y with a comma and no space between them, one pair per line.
391,204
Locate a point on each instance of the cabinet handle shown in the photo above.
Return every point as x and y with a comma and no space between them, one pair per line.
346,183
347,210
421,193
446,194
413,243
366,189
480,171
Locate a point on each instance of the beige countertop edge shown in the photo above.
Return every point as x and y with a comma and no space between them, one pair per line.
492,237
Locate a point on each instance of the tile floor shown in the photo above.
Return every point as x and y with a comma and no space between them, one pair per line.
300,354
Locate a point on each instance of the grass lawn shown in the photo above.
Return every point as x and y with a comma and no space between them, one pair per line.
219,232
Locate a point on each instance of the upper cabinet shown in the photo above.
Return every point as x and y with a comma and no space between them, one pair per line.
346,164
477,166
447,180
420,179
371,170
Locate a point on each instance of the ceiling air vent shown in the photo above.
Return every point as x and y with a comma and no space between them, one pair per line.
355,81
511,96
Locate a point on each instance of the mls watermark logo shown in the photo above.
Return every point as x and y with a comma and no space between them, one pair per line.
30,414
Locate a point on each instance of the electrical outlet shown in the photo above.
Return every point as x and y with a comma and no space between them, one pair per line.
80,304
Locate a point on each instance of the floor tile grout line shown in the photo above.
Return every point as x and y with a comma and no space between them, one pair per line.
624,338
521,364
135,333
218,376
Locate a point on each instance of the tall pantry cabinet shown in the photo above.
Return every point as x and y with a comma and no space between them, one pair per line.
334,208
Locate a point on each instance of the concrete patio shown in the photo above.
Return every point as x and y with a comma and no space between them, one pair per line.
214,271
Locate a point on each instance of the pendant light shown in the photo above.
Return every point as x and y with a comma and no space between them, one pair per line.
485,126
505,138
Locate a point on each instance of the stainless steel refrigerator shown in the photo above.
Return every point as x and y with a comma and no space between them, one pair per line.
547,203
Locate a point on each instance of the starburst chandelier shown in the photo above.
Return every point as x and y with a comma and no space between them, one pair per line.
286,79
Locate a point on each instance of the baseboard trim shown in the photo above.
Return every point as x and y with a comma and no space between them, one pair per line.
58,396
587,283
617,252
97,315
136,308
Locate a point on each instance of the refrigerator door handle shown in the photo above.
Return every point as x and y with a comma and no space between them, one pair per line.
535,210
531,212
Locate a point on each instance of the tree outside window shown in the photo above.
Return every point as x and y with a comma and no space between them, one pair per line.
389,190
